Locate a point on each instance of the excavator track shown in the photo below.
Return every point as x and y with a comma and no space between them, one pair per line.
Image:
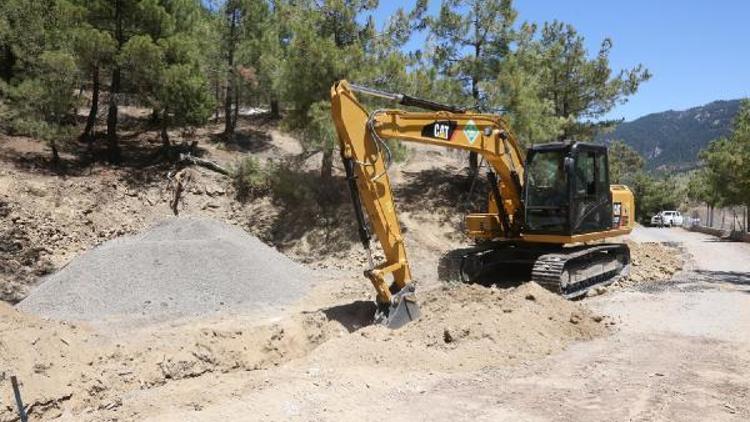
573,272
570,272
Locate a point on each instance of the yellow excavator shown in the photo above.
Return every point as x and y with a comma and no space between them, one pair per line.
549,209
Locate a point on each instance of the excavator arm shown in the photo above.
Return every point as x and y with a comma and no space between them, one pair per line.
365,155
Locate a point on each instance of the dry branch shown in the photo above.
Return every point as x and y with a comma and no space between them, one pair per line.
204,163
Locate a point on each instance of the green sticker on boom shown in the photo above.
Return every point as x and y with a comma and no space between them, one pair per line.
471,131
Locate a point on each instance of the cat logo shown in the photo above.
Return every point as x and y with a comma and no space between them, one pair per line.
440,130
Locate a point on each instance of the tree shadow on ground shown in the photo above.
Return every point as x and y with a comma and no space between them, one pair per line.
353,316
731,277
307,207
247,140
440,189
722,240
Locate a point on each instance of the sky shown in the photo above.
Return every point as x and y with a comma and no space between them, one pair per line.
697,51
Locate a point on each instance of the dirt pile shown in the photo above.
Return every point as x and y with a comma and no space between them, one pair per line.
652,262
65,368
180,267
465,327
70,369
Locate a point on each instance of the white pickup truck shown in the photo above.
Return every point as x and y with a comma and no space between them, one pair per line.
667,218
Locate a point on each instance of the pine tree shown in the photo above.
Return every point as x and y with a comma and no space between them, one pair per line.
164,67
472,37
624,163
94,50
242,27
582,89
41,71
517,92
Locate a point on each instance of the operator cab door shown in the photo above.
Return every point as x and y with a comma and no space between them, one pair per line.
591,198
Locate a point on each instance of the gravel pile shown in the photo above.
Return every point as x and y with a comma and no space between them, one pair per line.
179,267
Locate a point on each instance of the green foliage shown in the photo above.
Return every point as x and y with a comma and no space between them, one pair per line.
582,89
726,175
471,38
544,81
653,195
331,42
518,91
92,46
250,179
181,57
624,163
41,106
319,132
703,187
166,73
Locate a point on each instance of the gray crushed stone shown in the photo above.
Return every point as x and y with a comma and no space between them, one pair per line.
178,268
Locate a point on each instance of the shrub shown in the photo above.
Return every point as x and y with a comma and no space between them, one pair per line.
250,179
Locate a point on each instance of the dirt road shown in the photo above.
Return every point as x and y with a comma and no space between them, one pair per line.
681,352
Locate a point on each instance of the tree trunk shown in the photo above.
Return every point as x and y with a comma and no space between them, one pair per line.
217,95
275,108
473,156
112,145
114,90
7,62
708,211
326,167
236,107
228,124
164,135
55,153
88,131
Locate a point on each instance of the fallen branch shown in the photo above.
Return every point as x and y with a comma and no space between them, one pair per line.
204,163
178,183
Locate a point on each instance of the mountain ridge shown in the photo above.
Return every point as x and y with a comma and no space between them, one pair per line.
672,139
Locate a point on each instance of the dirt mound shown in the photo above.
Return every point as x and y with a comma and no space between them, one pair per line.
466,327
180,267
652,262
68,368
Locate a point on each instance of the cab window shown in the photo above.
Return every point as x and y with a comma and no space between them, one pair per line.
586,174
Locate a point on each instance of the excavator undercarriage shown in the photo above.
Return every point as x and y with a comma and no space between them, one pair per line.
568,271
549,210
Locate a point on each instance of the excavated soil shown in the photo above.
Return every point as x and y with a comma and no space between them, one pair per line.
73,370
651,263
468,327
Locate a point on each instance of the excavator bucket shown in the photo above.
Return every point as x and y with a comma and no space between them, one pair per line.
402,310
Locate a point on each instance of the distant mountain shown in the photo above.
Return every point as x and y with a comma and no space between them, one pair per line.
672,139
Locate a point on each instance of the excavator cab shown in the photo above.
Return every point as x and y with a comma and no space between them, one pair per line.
567,189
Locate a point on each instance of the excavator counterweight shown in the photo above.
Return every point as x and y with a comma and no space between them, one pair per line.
545,206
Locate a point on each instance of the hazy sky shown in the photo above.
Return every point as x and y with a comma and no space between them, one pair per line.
698,51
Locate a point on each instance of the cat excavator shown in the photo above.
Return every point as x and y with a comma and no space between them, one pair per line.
550,208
